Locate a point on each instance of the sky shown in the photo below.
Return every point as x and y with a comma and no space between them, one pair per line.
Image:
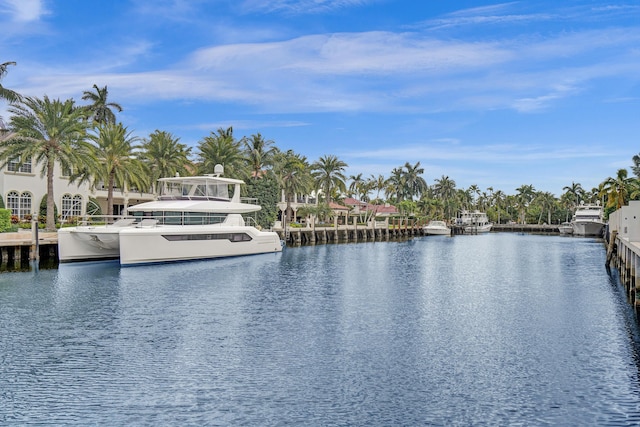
493,94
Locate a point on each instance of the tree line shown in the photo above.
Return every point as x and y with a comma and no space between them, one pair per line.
93,147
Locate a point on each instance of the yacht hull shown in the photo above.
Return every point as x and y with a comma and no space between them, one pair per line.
168,244
88,244
590,228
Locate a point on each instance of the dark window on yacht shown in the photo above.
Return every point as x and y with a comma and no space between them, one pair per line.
182,218
233,237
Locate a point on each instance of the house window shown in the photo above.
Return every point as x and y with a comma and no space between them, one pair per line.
12,166
76,209
20,204
71,206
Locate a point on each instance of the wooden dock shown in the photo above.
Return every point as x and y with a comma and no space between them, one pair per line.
387,230
18,250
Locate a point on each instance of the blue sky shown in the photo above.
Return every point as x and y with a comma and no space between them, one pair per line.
493,94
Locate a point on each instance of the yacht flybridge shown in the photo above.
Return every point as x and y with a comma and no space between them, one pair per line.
193,218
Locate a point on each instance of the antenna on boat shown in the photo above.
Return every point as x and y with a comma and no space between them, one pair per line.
218,170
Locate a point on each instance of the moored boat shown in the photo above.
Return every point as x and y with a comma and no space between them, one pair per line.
565,228
588,220
436,228
193,218
474,222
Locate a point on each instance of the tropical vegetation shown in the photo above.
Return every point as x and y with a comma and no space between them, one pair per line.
89,143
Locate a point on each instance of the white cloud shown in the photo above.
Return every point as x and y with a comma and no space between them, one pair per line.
23,10
299,6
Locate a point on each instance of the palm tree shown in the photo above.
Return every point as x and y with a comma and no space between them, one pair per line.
546,201
575,190
356,181
636,166
328,172
415,184
618,189
100,108
379,184
6,94
473,191
525,195
293,176
222,148
50,132
498,200
117,164
396,185
445,189
164,155
259,153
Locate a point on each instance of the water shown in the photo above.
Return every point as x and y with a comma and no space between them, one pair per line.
497,329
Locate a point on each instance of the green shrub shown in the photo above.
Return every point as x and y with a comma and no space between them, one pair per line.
5,220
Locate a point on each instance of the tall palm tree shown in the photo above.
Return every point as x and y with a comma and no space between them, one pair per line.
547,202
259,153
414,182
396,184
47,132
222,148
293,175
498,200
575,190
379,184
101,108
526,193
164,155
445,189
328,172
356,181
117,164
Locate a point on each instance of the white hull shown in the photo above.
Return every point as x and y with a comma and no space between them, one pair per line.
138,245
167,243
436,228
437,231
565,228
88,244
484,228
588,228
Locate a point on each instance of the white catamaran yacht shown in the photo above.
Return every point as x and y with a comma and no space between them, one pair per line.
193,218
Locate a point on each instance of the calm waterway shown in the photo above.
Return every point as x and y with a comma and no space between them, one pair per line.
497,329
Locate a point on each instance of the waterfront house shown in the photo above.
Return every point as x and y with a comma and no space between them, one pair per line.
22,188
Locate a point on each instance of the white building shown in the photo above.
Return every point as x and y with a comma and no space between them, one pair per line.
23,188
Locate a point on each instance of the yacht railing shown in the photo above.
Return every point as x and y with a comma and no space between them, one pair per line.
128,220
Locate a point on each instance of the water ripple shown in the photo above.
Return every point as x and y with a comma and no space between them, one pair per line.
473,330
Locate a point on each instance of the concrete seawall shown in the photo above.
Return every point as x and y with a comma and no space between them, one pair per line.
623,250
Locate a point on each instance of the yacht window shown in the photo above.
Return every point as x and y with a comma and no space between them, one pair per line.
233,237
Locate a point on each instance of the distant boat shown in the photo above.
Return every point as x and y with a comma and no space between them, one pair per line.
474,222
437,228
565,228
588,220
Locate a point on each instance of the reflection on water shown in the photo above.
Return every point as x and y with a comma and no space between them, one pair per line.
498,329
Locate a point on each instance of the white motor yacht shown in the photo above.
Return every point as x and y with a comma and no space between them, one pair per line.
474,222
588,220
